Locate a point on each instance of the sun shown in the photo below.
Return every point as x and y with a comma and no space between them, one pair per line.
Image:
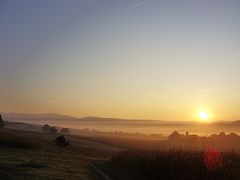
203,116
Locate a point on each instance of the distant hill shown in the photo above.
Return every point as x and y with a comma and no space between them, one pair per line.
27,117
22,117
58,118
236,123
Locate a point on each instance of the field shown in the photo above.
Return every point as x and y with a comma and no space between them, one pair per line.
174,164
31,155
38,164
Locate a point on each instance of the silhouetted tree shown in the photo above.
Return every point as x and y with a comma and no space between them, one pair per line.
65,131
61,142
175,136
53,130
2,124
46,128
222,134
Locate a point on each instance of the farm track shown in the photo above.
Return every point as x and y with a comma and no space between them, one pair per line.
89,161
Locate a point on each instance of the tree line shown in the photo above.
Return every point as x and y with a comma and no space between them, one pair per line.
53,130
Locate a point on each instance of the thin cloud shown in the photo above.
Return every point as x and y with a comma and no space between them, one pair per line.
210,90
51,101
233,96
141,4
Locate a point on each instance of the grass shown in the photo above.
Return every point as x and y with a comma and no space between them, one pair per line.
32,155
39,164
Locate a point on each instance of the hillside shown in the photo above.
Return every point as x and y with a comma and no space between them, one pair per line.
33,155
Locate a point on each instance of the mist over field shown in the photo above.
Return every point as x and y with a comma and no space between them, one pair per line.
126,125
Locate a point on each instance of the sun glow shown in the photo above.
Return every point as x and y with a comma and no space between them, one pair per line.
203,116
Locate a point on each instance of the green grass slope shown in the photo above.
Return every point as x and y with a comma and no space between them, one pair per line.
32,155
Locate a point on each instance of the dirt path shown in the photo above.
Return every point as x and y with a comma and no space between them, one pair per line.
88,160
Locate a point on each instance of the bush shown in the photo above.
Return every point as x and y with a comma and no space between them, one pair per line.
2,124
65,131
61,142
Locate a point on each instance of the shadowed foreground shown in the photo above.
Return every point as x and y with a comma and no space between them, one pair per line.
174,164
31,155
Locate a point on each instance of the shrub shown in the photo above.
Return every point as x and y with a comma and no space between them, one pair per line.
61,142
2,124
65,131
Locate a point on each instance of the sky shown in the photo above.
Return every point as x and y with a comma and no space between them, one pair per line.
135,59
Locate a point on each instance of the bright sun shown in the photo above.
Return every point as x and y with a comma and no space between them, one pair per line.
203,116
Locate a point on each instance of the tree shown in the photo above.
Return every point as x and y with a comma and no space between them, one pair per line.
2,124
46,128
175,136
65,131
53,130
61,142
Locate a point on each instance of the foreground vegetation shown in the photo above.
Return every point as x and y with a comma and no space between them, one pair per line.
174,164
32,155
39,164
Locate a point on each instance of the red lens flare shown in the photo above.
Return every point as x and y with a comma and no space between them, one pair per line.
212,159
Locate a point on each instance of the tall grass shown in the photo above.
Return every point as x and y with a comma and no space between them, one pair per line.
179,164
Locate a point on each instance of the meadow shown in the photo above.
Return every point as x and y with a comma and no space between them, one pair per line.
33,155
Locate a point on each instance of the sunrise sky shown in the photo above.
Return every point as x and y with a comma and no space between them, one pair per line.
147,59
